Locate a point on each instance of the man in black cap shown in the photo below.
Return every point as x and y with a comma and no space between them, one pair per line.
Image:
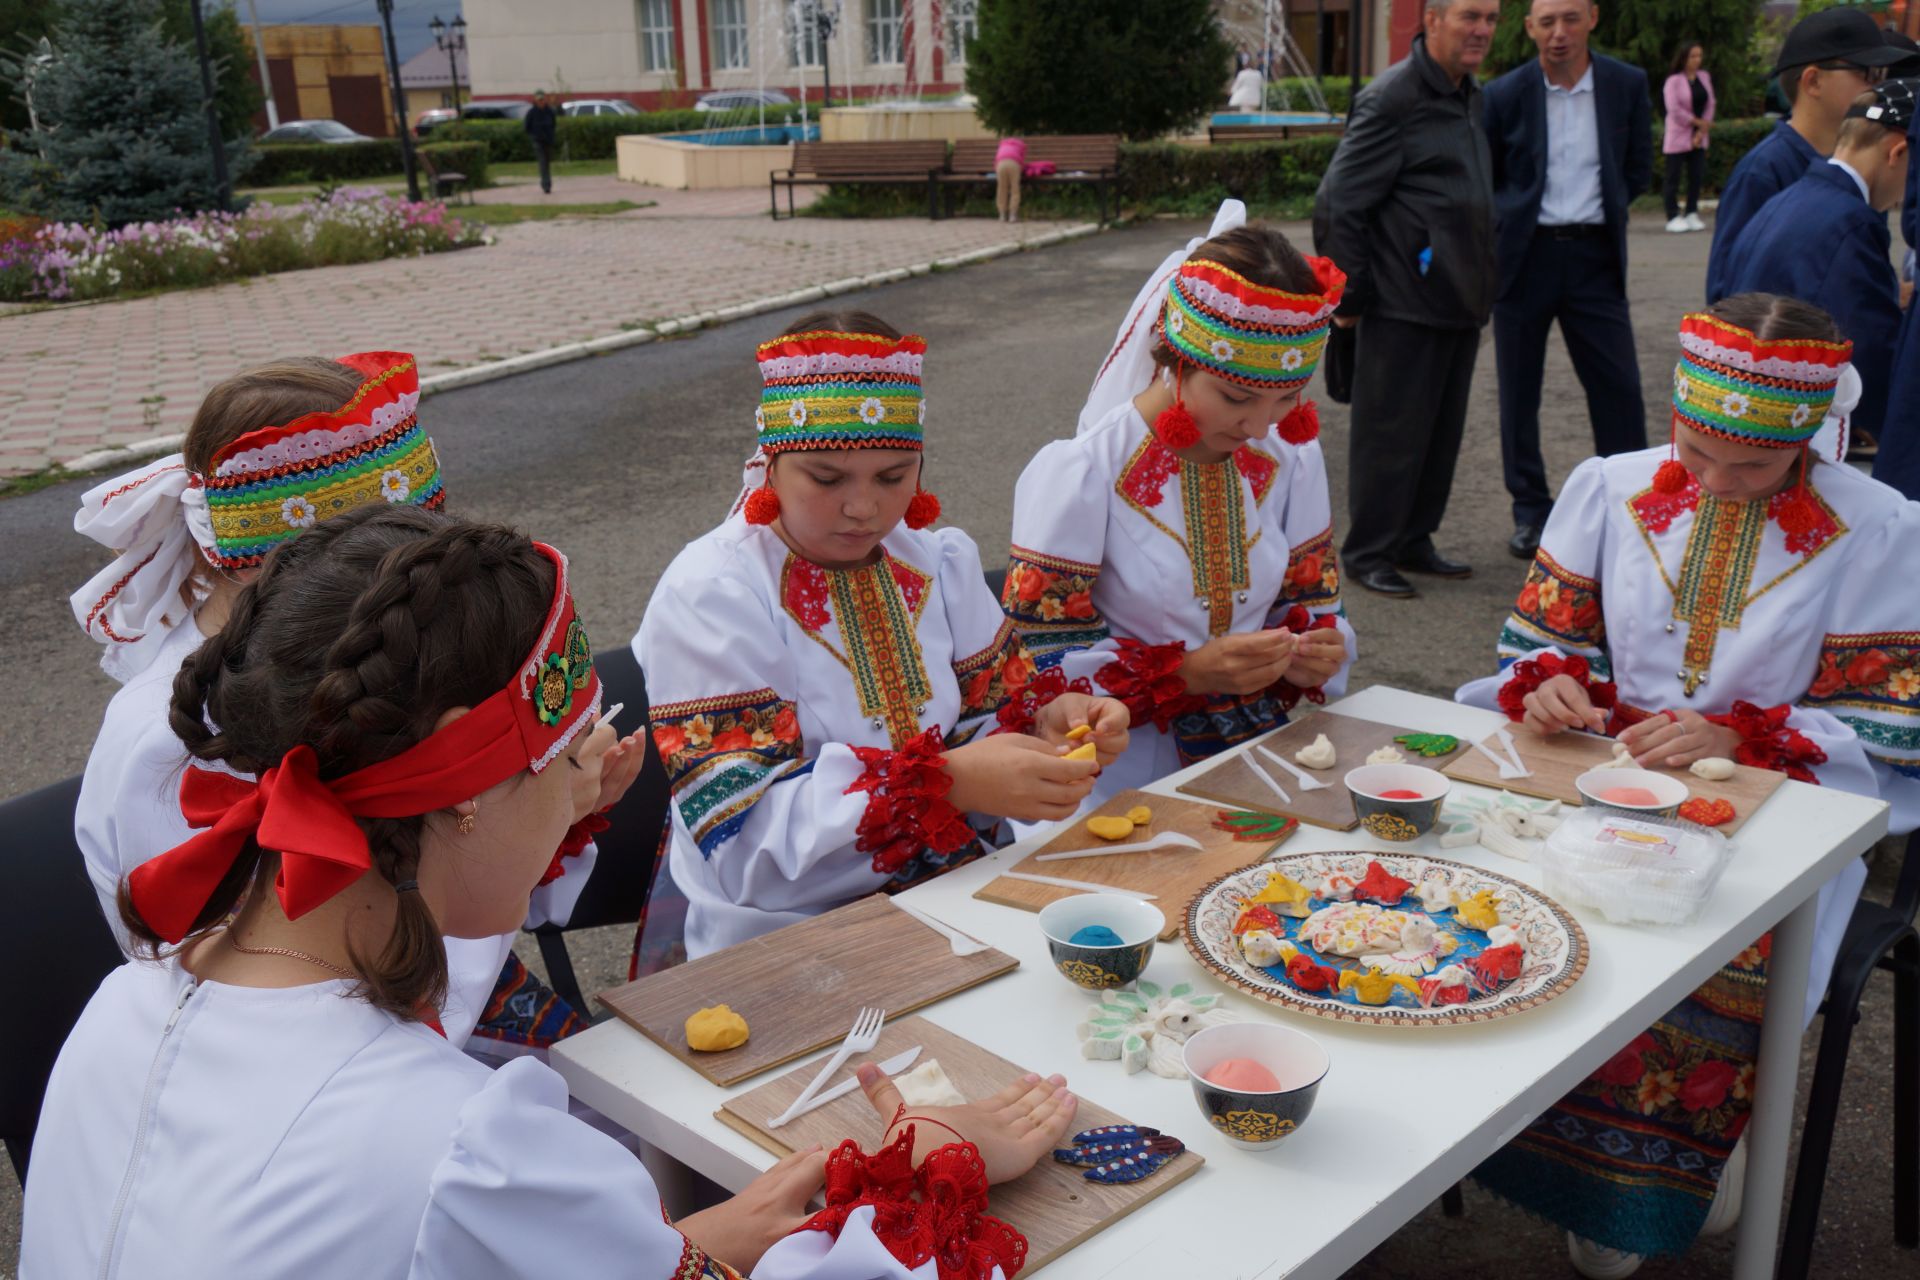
1824,239
1828,60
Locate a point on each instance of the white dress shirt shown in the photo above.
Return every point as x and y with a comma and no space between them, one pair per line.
1853,173
1572,196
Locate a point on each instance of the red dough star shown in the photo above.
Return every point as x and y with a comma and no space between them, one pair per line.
1496,965
1308,976
1381,886
1708,813
1258,917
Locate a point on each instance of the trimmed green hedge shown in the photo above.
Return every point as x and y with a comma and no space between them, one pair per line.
593,137
1276,179
288,163
1338,91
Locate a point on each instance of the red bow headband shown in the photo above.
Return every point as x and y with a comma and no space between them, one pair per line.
309,820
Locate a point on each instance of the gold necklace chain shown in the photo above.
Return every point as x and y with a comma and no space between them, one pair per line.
291,954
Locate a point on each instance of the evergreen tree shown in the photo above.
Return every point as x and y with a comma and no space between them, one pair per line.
1646,32
1139,68
237,95
123,133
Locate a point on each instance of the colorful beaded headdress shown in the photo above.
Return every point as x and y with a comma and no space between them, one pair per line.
273,483
1735,386
1218,320
310,820
828,390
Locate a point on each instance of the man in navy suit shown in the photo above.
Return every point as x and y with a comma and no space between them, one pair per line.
1898,463
1824,240
1572,143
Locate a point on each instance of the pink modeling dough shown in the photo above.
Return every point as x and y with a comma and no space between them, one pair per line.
1629,795
1244,1075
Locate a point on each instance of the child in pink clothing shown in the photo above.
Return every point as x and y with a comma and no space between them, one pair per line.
1008,161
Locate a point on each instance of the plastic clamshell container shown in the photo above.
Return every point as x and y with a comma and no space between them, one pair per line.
1633,870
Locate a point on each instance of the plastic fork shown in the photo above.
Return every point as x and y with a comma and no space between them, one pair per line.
1307,781
864,1035
1166,839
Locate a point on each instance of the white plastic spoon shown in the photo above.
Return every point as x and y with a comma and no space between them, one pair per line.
1164,840
1307,781
1266,777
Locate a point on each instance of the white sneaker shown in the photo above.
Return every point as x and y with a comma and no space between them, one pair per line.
1724,1212
1694,223
1597,1262
1677,225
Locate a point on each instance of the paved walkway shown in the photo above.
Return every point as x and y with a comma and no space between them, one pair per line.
81,378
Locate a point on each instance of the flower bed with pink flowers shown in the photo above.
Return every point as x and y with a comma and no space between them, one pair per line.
69,261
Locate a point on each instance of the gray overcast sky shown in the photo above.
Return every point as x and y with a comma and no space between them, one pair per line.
410,17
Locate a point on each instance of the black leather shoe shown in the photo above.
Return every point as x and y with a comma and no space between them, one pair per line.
1524,542
1433,563
1385,582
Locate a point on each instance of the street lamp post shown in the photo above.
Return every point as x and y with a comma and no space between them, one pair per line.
823,23
222,188
400,103
452,41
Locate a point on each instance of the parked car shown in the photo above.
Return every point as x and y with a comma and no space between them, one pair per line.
598,107
503,109
432,119
742,99
313,131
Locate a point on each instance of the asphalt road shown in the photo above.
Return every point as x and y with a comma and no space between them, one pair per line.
620,459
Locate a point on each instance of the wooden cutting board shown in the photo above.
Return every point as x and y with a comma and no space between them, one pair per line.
1052,1205
1173,876
1231,782
1556,761
799,988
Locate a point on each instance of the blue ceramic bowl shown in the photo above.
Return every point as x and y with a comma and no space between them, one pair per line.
1101,968
1397,820
1256,1120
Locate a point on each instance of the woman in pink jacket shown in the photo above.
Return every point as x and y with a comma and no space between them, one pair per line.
1689,101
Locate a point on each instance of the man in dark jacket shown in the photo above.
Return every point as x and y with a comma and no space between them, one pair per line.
539,124
1572,143
1406,210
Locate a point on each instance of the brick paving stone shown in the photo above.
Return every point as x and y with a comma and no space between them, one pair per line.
84,372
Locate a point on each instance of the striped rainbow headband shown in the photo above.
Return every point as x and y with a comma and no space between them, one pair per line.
829,390
272,484
826,390
1733,385
1218,320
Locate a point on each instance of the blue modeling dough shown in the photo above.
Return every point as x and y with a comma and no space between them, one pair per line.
1095,935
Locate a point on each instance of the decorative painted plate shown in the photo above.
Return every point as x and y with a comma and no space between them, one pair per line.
1447,972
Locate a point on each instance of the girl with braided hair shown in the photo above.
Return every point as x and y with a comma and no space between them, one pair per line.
1177,553
272,453
264,1093
840,704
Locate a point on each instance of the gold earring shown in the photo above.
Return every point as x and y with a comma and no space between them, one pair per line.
466,823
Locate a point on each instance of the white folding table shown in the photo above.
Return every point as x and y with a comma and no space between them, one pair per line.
1403,1114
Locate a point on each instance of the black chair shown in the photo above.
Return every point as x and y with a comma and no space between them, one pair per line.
630,848
1878,937
53,936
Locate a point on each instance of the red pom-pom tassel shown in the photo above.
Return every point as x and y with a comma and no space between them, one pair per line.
1798,515
1670,477
1176,427
922,510
1302,423
763,506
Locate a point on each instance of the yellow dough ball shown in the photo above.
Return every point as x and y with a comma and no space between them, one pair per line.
1110,828
1078,732
715,1029
1140,815
1085,751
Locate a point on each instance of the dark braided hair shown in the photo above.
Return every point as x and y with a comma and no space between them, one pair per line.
354,639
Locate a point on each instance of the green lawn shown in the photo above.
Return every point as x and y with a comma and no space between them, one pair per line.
561,169
492,215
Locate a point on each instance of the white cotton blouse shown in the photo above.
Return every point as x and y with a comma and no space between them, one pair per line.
196,1129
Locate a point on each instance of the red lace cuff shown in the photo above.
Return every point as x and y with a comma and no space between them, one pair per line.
1528,674
578,837
1767,743
937,1211
908,809
1146,677
1023,705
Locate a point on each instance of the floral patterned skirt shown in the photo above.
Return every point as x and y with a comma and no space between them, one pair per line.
1632,1157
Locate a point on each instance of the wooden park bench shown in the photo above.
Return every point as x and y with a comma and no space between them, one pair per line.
1220,133
866,164
443,182
1087,159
